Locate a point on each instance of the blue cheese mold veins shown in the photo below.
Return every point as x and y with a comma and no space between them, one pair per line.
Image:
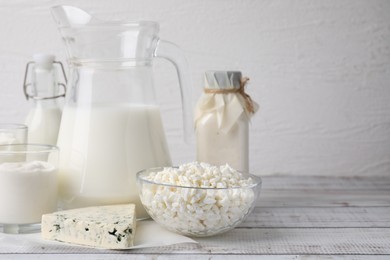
111,227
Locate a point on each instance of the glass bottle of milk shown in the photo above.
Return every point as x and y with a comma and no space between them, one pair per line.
222,120
45,91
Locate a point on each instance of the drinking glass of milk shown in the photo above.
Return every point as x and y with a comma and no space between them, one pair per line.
28,185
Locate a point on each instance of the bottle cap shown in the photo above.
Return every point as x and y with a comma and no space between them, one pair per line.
223,79
43,61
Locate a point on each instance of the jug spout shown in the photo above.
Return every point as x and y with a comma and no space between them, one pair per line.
88,39
66,15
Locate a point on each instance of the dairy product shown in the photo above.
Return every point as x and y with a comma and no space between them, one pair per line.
43,125
222,117
111,227
27,190
213,198
217,147
102,149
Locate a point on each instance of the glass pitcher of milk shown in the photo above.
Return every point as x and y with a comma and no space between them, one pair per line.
111,125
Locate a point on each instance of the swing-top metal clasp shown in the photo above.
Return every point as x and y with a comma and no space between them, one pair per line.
26,85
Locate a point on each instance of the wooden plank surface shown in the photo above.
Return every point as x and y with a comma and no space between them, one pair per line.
295,218
291,241
253,241
326,182
194,257
324,198
312,191
320,217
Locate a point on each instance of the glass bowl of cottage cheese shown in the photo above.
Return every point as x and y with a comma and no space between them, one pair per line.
198,199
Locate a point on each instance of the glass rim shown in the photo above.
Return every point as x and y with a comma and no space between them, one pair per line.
45,148
140,177
7,126
108,24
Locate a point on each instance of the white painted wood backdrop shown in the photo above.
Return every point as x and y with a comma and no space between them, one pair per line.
319,69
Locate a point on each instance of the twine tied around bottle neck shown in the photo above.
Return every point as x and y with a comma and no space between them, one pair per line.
240,90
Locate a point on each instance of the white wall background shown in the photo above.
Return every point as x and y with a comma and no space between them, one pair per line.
320,69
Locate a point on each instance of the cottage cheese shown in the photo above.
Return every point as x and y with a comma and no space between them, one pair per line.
218,198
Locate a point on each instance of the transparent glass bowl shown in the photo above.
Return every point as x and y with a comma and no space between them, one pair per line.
194,211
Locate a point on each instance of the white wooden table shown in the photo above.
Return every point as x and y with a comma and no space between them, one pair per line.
295,218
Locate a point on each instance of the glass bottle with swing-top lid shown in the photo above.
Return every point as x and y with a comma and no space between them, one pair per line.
43,86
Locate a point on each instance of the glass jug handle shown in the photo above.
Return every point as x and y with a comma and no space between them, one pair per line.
174,54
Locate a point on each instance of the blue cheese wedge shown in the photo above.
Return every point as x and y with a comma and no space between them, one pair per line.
111,227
